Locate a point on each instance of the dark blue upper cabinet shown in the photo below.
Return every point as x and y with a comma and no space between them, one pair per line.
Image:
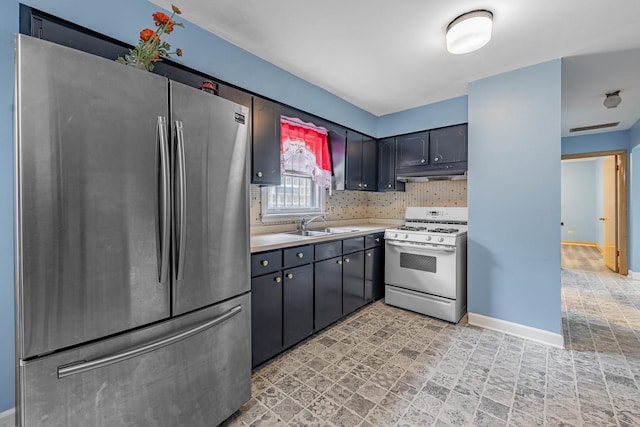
387,166
448,145
265,148
412,149
369,163
362,162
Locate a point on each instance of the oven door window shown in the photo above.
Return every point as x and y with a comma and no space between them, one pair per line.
418,262
432,270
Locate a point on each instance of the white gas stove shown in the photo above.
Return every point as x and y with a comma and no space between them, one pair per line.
425,262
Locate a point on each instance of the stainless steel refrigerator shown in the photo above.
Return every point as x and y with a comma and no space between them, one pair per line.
132,273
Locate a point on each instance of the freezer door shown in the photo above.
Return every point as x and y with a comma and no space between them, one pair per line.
192,371
211,221
89,215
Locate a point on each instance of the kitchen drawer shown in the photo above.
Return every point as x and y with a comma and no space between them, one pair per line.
373,240
266,262
328,250
199,380
294,257
353,244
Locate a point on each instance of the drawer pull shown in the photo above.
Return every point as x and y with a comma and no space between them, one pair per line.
346,260
377,239
289,276
340,262
264,262
368,253
300,255
259,174
278,279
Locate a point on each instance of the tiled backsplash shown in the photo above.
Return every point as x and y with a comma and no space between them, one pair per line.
433,193
343,205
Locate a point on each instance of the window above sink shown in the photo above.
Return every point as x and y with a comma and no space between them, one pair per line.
298,196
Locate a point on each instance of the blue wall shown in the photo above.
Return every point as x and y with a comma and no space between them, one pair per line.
579,210
444,113
8,26
514,197
595,142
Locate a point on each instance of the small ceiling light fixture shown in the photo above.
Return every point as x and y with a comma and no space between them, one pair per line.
469,31
612,100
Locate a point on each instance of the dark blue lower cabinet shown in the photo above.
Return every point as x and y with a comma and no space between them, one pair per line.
328,292
290,301
352,282
266,317
297,308
374,274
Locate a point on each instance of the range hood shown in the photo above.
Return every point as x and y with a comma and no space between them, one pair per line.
441,172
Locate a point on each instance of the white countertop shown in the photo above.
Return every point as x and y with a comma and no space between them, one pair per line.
279,240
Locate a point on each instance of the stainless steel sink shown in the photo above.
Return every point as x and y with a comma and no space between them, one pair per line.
321,232
338,230
310,233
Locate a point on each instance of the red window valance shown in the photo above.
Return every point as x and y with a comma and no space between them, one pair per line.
304,148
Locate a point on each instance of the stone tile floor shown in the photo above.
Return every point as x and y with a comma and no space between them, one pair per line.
384,366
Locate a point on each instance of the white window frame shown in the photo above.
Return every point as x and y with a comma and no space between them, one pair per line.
274,215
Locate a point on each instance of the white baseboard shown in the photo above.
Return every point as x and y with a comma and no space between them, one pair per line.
522,331
634,275
8,418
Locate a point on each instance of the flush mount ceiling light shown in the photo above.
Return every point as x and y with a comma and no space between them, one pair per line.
612,100
469,31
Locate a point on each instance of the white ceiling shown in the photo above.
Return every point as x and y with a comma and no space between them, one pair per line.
388,56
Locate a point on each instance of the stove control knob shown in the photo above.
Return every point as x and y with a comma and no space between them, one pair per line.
428,238
441,239
406,236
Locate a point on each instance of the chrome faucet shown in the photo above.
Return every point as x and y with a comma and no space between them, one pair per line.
308,220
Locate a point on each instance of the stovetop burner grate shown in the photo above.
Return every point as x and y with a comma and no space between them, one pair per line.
411,228
443,230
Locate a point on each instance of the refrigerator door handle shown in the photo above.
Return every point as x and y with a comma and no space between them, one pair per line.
181,199
84,366
165,198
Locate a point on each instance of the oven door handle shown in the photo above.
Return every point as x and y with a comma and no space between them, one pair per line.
437,248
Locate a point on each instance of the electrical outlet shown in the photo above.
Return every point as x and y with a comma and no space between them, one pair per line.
332,210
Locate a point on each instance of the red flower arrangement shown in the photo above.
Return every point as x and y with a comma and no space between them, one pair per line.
150,48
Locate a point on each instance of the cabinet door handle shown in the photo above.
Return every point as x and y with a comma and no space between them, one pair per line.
389,185
289,276
300,255
360,185
264,262
377,239
365,185
339,262
278,279
368,253
422,161
259,174
346,260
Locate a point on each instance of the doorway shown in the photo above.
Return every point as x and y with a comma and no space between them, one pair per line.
595,213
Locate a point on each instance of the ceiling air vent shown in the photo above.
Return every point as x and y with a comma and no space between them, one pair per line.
594,127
